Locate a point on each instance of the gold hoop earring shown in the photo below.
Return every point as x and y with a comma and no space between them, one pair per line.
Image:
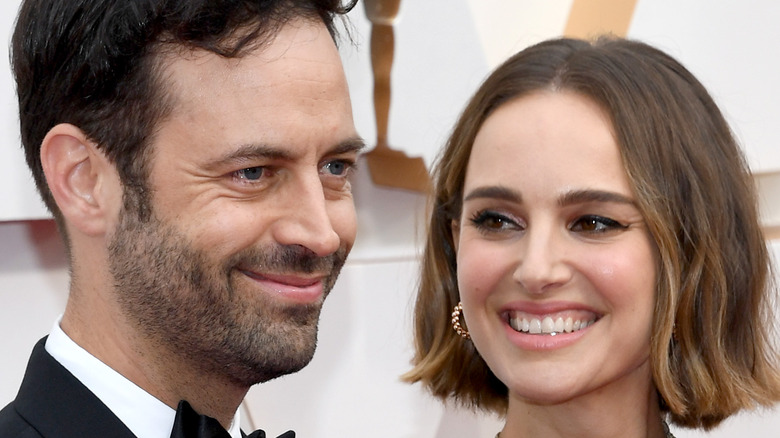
456,322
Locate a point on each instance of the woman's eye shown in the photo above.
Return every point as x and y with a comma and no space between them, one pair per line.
595,224
250,173
492,221
337,167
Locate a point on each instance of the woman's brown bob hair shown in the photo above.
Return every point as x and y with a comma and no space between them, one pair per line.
712,352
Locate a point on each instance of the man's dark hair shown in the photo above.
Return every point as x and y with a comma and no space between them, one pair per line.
95,64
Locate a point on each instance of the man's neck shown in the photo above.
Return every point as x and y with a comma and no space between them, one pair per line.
104,332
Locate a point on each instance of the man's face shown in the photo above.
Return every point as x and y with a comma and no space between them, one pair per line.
253,214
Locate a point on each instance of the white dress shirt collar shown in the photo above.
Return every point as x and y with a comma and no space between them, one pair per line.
142,413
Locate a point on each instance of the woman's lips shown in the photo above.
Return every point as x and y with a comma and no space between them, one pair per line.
546,326
550,324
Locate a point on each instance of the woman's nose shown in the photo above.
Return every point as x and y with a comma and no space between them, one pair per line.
542,263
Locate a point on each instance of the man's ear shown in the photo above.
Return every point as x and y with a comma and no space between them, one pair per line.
82,181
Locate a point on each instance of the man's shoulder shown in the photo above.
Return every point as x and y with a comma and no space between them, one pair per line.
52,402
12,425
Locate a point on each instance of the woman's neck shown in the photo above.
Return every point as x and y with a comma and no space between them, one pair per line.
593,415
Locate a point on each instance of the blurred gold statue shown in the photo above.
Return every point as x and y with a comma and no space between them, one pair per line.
388,167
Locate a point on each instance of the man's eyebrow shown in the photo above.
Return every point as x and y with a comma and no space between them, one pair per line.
351,145
256,152
248,153
586,196
495,192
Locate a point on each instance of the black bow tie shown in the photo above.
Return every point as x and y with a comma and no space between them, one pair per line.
190,424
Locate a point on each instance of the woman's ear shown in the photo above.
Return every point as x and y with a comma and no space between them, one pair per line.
82,181
455,229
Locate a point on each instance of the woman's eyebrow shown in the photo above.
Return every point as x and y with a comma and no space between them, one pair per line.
585,196
568,198
495,192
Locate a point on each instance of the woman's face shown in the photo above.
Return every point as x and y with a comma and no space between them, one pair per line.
556,268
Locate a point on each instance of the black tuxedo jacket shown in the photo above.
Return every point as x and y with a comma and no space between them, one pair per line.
52,403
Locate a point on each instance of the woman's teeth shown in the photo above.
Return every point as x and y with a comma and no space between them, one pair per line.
548,325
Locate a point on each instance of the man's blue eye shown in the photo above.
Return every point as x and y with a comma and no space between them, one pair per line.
251,173
336,167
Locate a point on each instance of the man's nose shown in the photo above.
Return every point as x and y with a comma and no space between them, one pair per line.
305,218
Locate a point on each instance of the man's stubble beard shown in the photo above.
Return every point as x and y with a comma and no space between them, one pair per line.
185,303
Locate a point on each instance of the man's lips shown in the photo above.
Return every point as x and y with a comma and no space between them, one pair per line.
297,288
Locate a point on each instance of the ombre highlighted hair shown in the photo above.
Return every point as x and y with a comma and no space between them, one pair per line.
712,350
